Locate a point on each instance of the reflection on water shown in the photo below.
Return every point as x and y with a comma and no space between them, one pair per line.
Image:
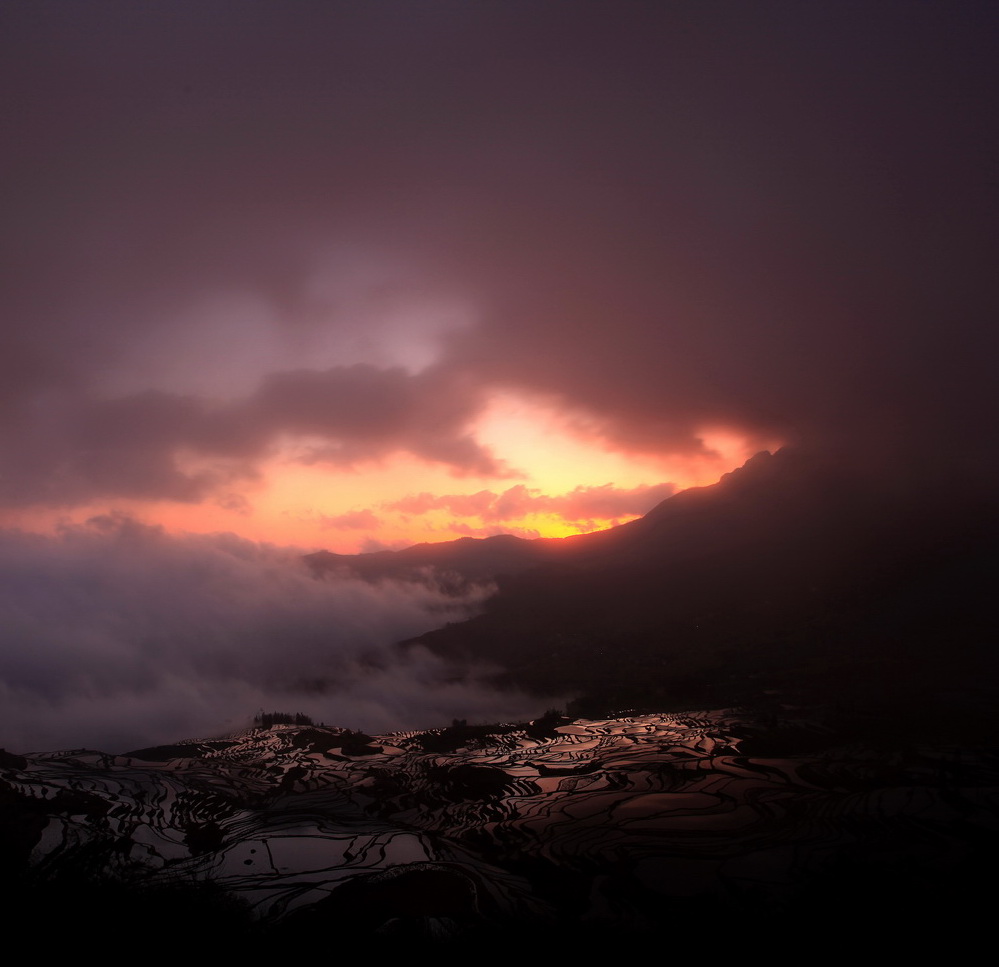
607,821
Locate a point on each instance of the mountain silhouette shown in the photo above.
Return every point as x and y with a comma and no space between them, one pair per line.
791,577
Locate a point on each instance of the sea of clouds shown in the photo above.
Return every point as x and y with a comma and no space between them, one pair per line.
115,635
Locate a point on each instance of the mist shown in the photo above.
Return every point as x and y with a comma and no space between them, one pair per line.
117,635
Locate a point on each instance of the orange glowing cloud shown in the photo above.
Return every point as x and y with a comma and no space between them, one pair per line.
563,476
580,506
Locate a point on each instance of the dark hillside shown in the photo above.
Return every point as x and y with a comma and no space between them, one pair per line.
784,577
464,561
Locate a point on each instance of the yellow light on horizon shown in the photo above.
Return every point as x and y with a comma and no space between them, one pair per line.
286,500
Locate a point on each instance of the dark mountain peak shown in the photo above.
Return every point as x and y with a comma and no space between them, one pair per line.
759,463
458,562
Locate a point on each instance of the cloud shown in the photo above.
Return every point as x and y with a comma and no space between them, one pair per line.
461,505
352,520
237,503
116,635
71,447
605,502
368,412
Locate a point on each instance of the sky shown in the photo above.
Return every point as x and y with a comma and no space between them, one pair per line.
354,275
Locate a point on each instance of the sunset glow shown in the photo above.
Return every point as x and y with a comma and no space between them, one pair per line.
554,482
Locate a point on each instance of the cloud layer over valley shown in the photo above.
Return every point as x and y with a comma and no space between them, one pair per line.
118,635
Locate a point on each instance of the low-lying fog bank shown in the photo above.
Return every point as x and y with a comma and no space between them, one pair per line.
117,635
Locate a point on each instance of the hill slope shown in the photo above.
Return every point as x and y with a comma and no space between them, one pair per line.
786,576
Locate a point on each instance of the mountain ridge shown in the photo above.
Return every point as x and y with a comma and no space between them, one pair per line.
790,574
793,575
479,558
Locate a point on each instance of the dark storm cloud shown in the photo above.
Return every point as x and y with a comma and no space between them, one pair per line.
784,229
370,411
70,447
777,217
115,634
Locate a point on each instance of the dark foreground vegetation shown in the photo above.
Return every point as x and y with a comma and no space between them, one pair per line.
264,720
